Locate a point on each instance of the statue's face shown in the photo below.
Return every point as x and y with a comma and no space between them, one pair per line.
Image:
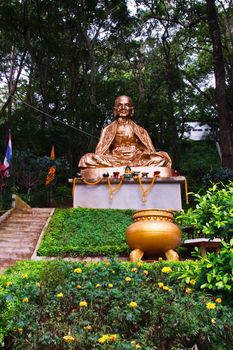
123,107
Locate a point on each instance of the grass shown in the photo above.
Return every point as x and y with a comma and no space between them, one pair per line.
81,232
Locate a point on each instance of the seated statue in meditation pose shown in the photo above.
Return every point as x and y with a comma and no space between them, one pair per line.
123,142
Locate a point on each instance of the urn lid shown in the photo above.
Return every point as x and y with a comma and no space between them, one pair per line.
153,212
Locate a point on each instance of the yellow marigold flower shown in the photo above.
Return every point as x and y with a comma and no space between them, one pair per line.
167,288
25,300
134,269
103,339
188,290
128,279
60,295
83,303
9,283
136,345
192,282
25,275
133,304
160,284
78,286
68,338
112,337
146,272
107,337
20,330
110,285
113,272
166,269
87,328
139,263
210,306
78,270
218,300
213,320
97,285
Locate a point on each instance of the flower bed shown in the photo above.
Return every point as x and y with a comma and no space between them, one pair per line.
110,305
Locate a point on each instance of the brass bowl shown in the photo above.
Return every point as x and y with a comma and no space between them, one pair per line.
154,232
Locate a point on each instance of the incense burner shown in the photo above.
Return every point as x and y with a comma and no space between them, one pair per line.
153,232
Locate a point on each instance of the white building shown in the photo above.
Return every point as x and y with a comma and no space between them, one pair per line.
196,131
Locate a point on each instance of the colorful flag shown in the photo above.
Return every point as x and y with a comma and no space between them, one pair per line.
52,169
6,166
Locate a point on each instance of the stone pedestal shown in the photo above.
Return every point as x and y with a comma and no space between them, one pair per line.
166,193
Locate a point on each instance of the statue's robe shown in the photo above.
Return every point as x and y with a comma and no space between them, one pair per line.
132,147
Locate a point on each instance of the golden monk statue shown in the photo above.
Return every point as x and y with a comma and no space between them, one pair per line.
123,142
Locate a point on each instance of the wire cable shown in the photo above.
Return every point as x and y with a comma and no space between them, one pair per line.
17,98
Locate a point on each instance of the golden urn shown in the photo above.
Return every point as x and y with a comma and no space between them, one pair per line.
153,232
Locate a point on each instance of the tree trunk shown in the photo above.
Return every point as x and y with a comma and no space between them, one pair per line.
226,141
172,127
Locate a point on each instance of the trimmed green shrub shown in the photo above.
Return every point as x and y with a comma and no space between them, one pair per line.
109,305
84,231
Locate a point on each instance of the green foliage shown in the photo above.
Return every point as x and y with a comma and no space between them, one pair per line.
80,56
28,177
217,269
223,175
86,232
140,305
213,214
198,158
213,272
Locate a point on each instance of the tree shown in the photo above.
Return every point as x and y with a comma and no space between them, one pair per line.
221,89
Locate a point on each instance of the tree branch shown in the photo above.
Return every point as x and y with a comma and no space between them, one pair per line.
14,86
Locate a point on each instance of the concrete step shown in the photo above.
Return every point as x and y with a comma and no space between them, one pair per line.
34,215
18,237
15,226
16,253
17,256
34,210
19,233
17,244
23,233
26,220
15,222
40,212
23,241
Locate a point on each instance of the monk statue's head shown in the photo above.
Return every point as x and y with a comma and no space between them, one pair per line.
123,107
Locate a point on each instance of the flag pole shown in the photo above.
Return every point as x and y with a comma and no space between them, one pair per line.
50,177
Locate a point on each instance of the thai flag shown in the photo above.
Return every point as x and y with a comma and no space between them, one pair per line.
6,167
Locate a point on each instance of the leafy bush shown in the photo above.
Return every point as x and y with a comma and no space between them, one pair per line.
213,214
217,269
213,272
86,232
109,305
